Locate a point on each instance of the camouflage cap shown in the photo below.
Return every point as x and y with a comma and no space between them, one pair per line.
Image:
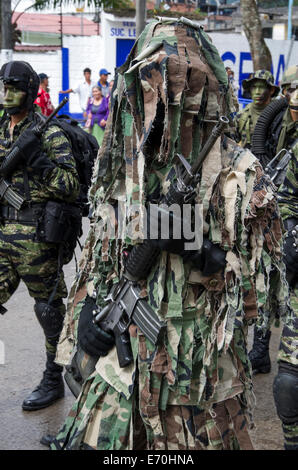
261,75
294,100
290,77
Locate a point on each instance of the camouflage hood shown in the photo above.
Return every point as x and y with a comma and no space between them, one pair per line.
261,75
172,85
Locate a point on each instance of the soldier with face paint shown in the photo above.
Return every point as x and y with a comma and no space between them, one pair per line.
262,89
46,172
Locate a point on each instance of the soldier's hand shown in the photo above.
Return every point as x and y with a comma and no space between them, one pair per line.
92,339
40,163
165,229
209,260
29,144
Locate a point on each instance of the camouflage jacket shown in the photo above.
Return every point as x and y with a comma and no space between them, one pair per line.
203,358
61,183
288,193
288,133
245,122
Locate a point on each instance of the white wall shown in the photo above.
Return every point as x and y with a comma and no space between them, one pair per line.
45,62
113,28
84,52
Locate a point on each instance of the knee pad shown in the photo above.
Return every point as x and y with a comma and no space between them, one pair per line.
50,317
285,392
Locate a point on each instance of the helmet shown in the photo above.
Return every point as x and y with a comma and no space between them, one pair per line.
293,104
290,77
23,77
261,75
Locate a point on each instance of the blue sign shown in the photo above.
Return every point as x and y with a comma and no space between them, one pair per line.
246,57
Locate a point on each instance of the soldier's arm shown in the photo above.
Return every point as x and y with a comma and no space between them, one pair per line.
288,193
62,181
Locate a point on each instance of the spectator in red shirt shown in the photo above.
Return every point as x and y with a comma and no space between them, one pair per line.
43,99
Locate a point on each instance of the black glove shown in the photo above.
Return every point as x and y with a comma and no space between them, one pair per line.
41,163
165,226
32,154
209,260
93,340
29,144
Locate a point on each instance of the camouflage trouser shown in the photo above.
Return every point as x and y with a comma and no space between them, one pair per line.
103,419
288,352
35,263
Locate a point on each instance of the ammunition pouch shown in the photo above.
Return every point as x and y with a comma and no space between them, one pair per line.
27,215
58,223
79,370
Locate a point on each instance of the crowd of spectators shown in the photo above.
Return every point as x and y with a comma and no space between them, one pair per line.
93,96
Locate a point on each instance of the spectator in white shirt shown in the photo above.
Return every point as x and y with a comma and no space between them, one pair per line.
83,89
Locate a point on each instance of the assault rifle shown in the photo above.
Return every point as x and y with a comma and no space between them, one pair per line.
14,158
124,302
277,167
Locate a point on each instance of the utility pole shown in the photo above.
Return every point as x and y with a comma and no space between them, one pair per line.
290,6
141,14
61,26
6,32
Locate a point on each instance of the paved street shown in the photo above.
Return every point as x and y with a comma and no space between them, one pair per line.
24,363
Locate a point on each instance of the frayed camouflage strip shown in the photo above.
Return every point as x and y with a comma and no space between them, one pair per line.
107,421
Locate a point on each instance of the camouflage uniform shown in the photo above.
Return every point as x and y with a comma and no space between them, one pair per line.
288,350
194,391
22,257
245,120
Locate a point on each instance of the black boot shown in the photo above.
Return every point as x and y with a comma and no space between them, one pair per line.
259,355
50,389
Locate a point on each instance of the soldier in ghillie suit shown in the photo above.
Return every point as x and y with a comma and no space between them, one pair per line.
262,89
194,389
41,170
285,386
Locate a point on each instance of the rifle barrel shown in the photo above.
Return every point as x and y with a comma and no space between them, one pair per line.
215,133
53,114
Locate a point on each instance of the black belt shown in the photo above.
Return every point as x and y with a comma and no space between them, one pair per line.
27,214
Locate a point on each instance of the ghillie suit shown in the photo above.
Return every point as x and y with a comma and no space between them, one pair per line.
194,390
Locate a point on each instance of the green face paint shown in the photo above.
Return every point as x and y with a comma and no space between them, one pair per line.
260,93
13,97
